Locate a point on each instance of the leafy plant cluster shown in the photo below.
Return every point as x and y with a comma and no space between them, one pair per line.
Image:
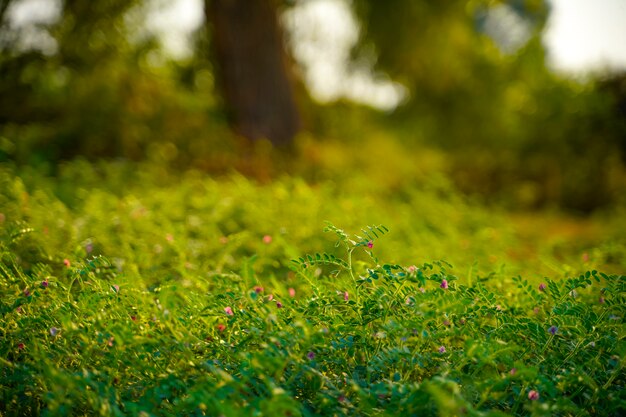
356,336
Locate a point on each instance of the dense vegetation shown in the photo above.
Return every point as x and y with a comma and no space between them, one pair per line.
461,254
154,294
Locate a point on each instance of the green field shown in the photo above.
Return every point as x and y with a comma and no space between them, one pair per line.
267,208
128,289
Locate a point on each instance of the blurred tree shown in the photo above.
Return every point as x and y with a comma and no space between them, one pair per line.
253,69
455,59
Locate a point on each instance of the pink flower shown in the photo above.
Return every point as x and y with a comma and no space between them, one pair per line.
21,346
267,239
444,284
116,288
279,304
442,349
585,257
513,371
346,296
258,289
422,290
169,237
110,341
542,287
292,292
533,395
446,322
412,269
228,311
370,244
66,262
89,248
270,297
221,327
44,284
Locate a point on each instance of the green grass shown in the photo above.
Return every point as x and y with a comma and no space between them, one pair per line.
132,290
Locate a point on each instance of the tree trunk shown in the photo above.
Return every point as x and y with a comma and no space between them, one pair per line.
252,69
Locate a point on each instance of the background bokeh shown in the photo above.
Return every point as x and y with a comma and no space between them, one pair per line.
457,89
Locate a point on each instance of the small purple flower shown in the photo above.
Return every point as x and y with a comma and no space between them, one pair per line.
310,355
228,311
279,304
542,287
370,244
346,296
442,349
533,395
444,284
44,284
553,330
601,300
26,292
53,331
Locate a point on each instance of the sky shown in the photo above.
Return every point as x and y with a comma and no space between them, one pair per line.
586,35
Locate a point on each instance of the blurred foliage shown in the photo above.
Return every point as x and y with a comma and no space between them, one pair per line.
510,125
483,108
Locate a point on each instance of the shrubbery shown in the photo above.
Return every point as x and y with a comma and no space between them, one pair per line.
155,296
